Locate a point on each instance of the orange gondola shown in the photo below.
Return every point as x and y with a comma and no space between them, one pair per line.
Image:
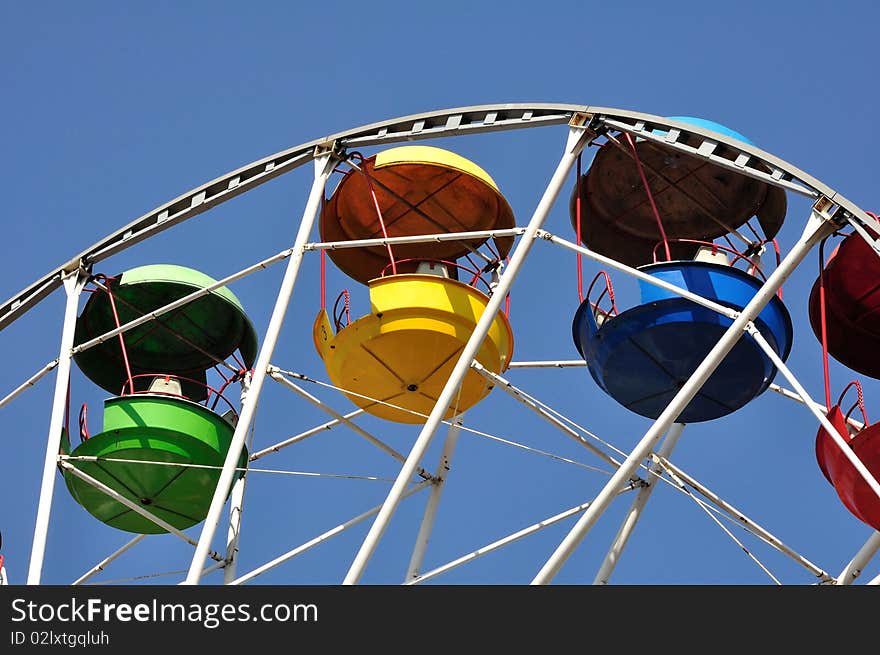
416,190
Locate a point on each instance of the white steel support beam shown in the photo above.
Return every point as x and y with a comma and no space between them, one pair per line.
323,167
819,407
276,375
854,569
438,483
133,506
680,477
97,568
818,227
152,576
302,436
635,510
321,538
555,363
640,275
578,137
236,499
73,285
27,384
236,502
509,539
180,302
708,512
416,238
535,406
810,404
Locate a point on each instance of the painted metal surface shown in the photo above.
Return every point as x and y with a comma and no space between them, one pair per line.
185,343
710,125
456,121
73,285
852,298
852,490
402,352
378,137
324,163
822,222
694,199
419,190
152,428
644,355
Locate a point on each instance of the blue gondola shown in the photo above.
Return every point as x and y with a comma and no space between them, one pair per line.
642,356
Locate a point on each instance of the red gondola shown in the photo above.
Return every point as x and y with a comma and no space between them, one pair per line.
851,487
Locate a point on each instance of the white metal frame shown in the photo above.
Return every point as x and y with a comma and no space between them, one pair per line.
831,210
323,167
437,485
818,227
74,282
636,508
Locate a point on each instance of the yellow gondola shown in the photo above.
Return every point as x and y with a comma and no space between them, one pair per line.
404,350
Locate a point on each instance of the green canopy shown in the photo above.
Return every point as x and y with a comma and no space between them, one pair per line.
184,342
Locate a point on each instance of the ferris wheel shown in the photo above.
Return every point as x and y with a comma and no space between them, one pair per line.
413,323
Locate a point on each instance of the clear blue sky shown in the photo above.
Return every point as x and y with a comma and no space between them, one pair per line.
110,109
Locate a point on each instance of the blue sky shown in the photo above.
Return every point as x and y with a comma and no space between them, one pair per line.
111,109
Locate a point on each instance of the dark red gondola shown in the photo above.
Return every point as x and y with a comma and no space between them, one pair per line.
852,306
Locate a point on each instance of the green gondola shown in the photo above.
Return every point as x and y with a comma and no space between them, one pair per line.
163,444
153,428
